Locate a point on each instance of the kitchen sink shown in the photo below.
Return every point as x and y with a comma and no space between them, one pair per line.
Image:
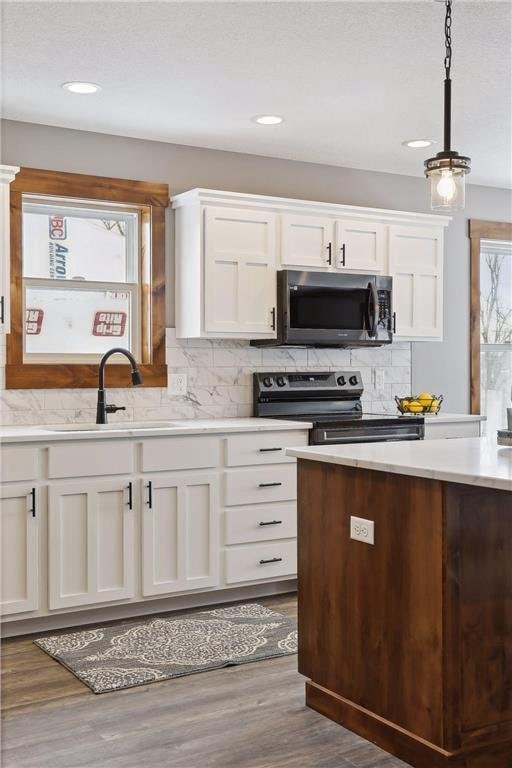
123,425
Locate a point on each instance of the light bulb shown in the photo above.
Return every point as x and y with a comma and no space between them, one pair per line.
446,186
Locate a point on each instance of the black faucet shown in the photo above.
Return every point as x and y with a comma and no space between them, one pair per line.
102,409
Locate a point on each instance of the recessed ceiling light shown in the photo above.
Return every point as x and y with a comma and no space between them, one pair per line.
80,87
268,119
418,143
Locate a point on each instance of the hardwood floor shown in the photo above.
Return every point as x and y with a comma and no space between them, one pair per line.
251,716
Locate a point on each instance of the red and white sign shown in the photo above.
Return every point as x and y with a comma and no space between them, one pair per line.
109,324
33,321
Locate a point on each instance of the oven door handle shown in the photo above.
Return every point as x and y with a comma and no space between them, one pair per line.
369,438
373,309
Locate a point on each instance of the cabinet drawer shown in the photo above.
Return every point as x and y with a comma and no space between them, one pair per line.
250,563
170,453
261,523
110,457
263,448
262,484
19,464
438,431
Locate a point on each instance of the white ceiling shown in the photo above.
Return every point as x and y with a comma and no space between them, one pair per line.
352,79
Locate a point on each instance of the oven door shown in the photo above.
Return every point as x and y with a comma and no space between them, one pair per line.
327,309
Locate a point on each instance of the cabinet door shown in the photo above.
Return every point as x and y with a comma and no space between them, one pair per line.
306,241
90,542
240,272
360,246
180,534
416,266
19,549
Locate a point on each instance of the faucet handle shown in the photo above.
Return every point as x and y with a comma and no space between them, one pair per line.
114,408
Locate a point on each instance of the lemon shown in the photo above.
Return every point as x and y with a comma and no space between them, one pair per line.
425,398
434,405
414,406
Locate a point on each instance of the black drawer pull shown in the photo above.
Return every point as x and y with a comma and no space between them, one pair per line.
342,250
272,560
130,495
269,450
271,522
269,485
273,316
150,495
2,310
33,497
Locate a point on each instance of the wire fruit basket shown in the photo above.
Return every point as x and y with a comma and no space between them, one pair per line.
419,404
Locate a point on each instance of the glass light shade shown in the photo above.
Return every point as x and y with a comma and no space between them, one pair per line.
447,189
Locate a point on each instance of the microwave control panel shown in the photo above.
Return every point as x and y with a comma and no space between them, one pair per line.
384,308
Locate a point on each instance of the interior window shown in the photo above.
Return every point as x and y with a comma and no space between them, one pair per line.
495,331
87,274
80,279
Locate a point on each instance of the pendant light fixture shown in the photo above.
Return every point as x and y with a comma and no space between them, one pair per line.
447,170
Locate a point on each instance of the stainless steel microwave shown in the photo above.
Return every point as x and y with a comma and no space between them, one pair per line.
332,310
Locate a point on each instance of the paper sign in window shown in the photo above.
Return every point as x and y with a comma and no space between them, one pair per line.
109,324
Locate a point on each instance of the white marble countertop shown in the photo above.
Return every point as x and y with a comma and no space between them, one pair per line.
444,418
41,433
472,461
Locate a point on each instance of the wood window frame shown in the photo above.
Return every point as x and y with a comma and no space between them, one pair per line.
154,198
479,230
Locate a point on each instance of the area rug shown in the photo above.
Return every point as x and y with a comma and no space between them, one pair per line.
137,653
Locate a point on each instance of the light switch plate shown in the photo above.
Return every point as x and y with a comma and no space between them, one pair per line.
177,384
378,378
362,530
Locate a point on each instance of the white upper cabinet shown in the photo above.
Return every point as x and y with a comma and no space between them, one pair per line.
306,242
240,266
416,266
229,247
360,246
180,534
19,549
7,174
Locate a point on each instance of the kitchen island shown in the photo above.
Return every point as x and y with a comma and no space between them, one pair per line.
405,626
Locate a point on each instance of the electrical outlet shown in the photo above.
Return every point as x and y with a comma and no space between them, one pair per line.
177,384
362,530
379,378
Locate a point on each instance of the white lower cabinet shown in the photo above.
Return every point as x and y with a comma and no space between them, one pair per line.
90,542
19,586
180,539
175,515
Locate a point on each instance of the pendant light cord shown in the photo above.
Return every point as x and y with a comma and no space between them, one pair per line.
448,81
448,39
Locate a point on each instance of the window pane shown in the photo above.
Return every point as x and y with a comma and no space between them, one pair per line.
66,242
496,331
62,321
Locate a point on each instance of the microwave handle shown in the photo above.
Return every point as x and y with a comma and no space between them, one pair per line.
373,309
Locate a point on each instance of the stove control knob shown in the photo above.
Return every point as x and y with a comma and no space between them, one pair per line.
280,381
267,381
353,380
341,381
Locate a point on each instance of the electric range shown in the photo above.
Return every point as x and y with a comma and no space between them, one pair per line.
331,400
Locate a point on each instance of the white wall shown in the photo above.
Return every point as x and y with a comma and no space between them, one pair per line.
442,367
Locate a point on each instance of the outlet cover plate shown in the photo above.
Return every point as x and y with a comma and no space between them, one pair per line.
362,530
177,384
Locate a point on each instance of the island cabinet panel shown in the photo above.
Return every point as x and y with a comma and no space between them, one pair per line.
370,617
408,641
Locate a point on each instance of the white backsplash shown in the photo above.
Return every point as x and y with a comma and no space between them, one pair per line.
219,375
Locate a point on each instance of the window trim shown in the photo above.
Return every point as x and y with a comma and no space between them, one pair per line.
479,230
153,200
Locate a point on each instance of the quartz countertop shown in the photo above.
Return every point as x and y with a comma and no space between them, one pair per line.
471,461
445,418
42,433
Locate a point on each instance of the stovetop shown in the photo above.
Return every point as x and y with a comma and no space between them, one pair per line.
331,401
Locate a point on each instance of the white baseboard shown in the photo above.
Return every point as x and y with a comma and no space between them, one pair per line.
98,615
